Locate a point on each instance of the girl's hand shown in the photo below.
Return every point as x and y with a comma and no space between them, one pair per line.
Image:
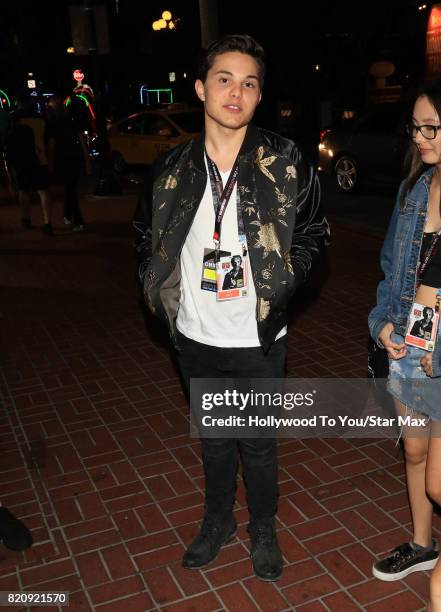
394,350
426,364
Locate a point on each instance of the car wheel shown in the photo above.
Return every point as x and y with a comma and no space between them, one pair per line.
346,173
118,163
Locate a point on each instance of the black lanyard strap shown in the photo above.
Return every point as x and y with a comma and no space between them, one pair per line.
221,194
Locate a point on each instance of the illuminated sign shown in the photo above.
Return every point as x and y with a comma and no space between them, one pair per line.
433,43
78,75
31,84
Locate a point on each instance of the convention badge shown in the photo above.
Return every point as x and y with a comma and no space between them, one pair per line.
208,277
232,277
422,327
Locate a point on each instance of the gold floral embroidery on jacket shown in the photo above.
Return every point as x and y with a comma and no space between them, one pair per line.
286,256
291,172
264,162
268,240
161,250
170,182
263,309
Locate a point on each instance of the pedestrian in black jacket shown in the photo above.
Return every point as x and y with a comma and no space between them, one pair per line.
236,191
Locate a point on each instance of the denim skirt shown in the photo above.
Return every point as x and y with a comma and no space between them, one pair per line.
408,382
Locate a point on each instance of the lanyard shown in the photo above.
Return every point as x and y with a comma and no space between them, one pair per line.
221,197
427,258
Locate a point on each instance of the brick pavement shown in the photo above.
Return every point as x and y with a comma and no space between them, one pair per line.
95,453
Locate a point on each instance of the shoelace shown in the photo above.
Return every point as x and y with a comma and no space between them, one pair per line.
263,534
402,554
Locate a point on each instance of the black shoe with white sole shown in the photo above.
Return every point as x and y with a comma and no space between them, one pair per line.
404,560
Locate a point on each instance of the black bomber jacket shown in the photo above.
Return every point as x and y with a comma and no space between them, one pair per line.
284,223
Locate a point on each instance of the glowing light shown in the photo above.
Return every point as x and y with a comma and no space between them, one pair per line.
171,25
156,26
330,153
78,75
317,67
70,50
5,95
166,15
162,23
68,101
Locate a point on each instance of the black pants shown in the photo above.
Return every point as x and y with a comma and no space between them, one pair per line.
220,456
69,175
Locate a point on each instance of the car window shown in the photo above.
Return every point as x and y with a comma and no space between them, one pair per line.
158,126
131,126
382,120
192,122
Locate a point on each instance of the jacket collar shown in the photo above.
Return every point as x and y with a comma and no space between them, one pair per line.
426,176
249,144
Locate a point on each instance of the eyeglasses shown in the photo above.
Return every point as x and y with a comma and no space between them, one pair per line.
429,132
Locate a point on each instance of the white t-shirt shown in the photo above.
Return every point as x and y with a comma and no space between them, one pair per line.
230,323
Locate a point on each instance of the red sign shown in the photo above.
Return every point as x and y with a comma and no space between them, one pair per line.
78,75
433,43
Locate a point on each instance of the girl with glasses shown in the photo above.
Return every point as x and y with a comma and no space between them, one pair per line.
411,262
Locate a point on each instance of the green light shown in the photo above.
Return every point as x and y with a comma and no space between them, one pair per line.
6,96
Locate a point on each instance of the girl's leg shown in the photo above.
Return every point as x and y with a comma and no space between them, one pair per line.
433,486
416,444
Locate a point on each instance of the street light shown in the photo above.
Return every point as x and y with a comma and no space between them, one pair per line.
165,23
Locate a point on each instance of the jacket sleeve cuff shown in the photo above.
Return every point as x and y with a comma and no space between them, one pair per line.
376,330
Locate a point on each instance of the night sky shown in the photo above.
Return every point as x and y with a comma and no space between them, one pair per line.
343,37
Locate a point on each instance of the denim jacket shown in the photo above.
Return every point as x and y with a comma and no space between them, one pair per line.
399,261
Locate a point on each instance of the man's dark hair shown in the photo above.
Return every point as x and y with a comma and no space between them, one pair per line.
233,42
427,311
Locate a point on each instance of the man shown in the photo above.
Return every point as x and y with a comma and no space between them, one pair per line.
234,278
235,189
26,152
422,328
68,155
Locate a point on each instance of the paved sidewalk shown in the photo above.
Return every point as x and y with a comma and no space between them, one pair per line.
96,457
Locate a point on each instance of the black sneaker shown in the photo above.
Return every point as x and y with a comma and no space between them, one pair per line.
14,533
405,560
265,552
214,532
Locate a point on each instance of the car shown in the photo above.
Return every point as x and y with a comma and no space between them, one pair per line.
140,138
367,148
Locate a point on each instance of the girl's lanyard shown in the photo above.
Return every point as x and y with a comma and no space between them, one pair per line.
221,197
423,266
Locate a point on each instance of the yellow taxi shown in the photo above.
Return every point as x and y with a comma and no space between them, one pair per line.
141,138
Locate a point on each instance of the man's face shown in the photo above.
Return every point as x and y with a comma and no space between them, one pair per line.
231,90
236,263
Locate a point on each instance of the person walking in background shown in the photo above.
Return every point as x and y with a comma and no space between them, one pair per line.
411,262
68,155
27,157
236,189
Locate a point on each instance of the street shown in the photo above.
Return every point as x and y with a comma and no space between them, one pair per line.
96,454
367,210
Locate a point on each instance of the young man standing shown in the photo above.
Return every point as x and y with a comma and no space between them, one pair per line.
237,190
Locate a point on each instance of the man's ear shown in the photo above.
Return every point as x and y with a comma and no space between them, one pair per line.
260,97
200,90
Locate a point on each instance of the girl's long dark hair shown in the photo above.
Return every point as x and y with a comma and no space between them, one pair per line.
413,162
